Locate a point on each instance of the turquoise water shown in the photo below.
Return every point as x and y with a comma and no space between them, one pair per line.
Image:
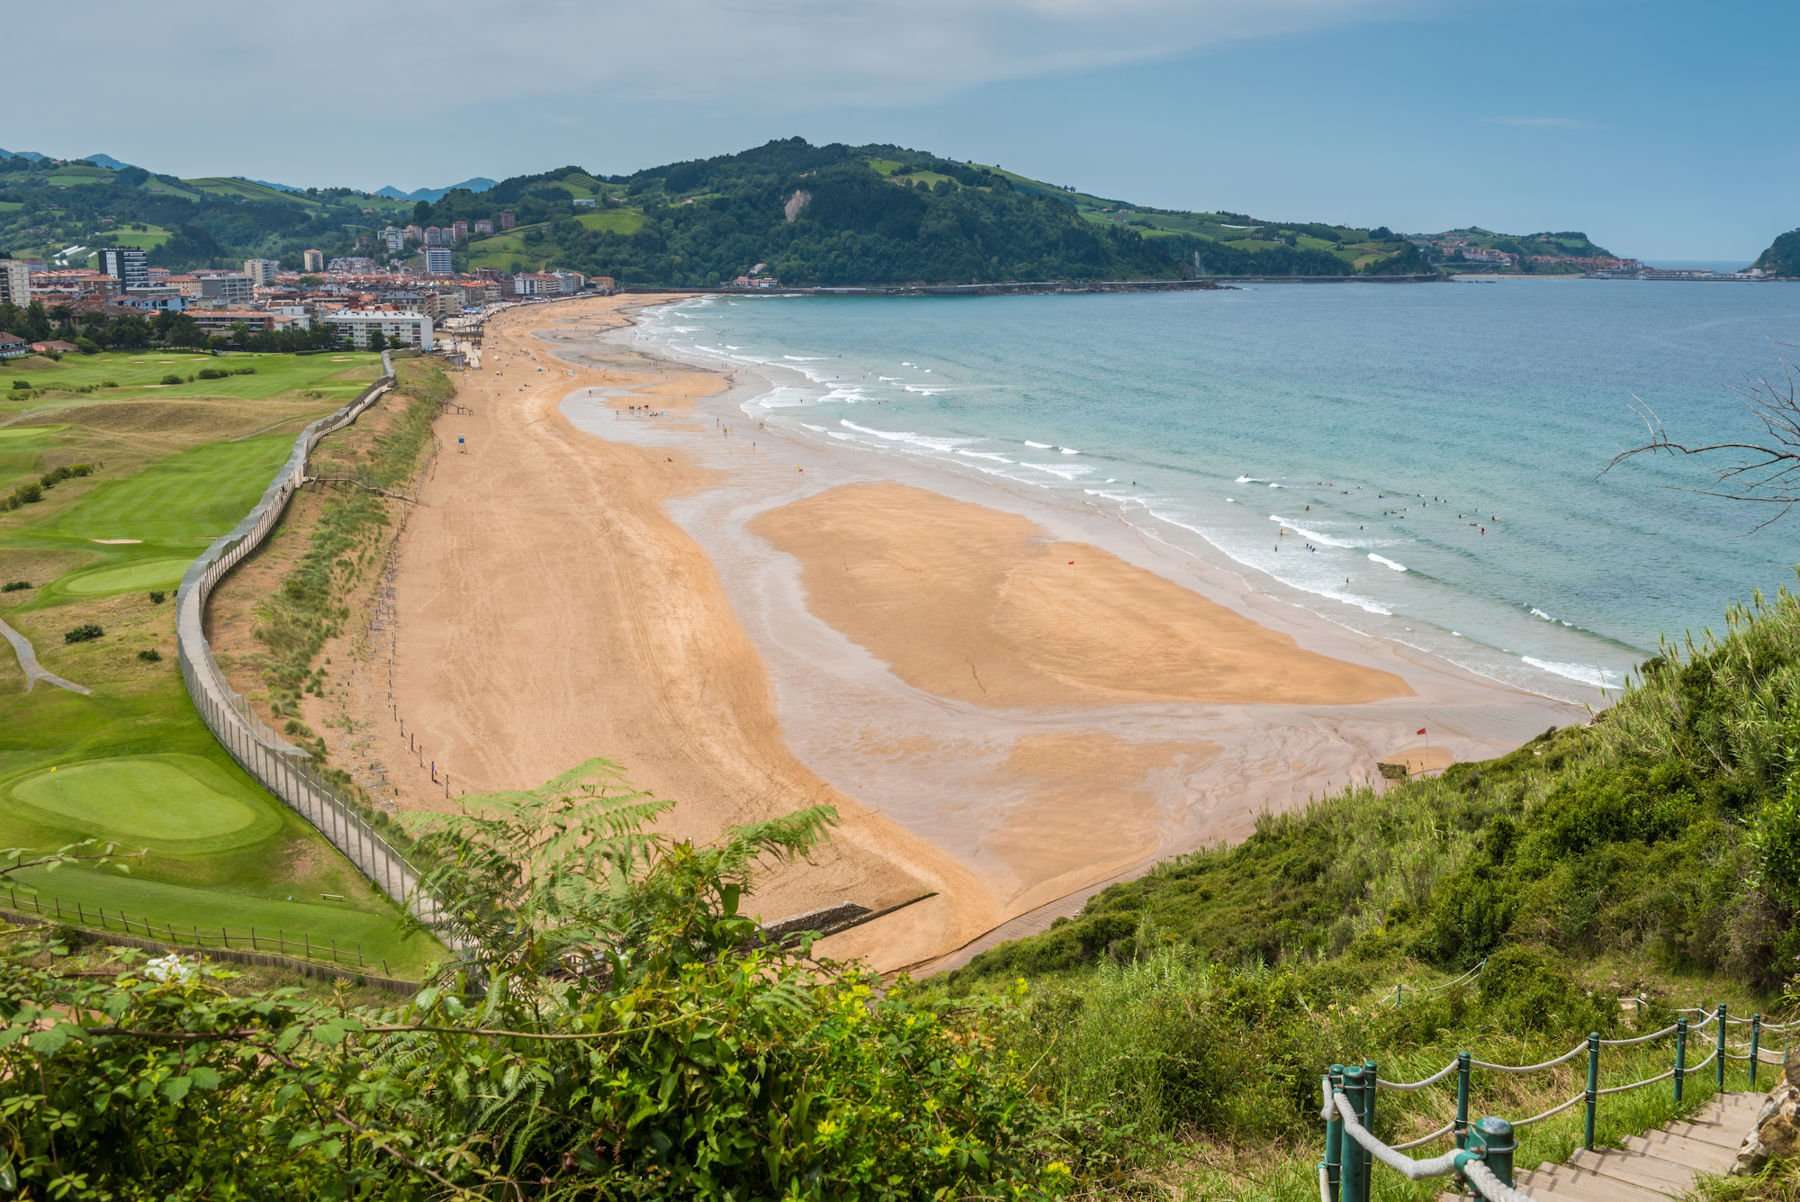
1434,453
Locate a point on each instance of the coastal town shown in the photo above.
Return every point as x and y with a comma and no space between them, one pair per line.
397,300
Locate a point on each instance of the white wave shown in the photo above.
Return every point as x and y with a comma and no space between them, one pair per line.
888,379
1366,604
813,428
1313,536
908,437
1041,446
1588,674
985,455
1067,471
806,358
1249,480
1068,450
1385,562
1538,613
904,363
731,347
1231,500
924,391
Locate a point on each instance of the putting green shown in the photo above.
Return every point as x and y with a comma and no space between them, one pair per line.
181,802
124,578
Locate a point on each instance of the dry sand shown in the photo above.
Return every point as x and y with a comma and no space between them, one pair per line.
748,624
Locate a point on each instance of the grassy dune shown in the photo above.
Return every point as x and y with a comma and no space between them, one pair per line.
175,467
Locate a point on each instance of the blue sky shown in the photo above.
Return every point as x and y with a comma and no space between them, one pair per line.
1663,129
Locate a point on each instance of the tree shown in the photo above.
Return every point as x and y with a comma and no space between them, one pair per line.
377,340
1761,473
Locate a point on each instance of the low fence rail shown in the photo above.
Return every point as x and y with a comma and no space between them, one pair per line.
282,768
1482,1152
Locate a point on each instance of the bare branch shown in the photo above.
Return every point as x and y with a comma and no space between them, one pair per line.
1756,471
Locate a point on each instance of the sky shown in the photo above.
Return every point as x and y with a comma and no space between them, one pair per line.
1665,129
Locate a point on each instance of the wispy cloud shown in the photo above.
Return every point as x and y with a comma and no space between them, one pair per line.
1540,122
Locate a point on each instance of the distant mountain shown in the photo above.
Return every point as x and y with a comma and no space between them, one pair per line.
32,155
1783,255
106,161
269,183
479,183
1562,243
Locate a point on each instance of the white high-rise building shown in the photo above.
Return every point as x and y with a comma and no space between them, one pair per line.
403,329
261,272
437,260
15,282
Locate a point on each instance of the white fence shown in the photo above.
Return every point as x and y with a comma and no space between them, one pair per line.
284,769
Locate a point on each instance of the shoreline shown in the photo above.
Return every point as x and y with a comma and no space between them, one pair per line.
1221,763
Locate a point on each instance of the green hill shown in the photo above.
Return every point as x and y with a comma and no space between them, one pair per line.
837,214
1783,255
47,206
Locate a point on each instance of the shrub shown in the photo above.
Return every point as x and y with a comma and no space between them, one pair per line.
150,656
157,596
86,632
28,494
172,378
13,586
212,373
21,383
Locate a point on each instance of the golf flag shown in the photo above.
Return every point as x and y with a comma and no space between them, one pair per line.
1421,730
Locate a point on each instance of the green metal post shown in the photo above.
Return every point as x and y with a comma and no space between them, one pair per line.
1460,1130
1368,1122
1334,1135
1719,1065
1755,1045
1680,1054
1350,1165
1593,1087
1496,1142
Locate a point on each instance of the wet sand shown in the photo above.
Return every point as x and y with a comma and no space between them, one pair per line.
1009,703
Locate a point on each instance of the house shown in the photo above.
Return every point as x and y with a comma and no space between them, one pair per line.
54,346
12,346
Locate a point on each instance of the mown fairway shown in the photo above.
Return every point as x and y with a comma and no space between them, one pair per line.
175,466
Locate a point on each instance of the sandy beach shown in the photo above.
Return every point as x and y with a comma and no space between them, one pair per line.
1009,703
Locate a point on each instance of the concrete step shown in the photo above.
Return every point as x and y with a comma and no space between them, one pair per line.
1633,1168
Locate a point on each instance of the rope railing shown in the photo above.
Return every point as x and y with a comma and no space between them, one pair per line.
1483,1154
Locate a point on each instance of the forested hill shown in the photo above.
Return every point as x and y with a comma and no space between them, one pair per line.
805,214
1783,255
882,214
61,211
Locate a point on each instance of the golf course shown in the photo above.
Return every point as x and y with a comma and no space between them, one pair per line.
171,462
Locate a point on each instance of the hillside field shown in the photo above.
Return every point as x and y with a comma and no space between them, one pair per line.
174,466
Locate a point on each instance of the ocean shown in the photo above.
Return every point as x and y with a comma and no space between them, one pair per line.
1422,463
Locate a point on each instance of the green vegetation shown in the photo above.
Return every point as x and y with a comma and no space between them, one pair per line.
633,1038
295,622
873,215
1650,852
48,206
175,468
1783,255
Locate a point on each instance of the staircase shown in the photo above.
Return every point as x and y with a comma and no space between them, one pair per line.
1654,1167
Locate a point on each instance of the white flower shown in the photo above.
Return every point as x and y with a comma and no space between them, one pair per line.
168,968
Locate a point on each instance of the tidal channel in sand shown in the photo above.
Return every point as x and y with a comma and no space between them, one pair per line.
1008,703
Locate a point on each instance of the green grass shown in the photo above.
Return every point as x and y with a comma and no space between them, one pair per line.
220,185
184,500
614,221
147,237
332,375
78,176
132,762
510,248
138,575
11,206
